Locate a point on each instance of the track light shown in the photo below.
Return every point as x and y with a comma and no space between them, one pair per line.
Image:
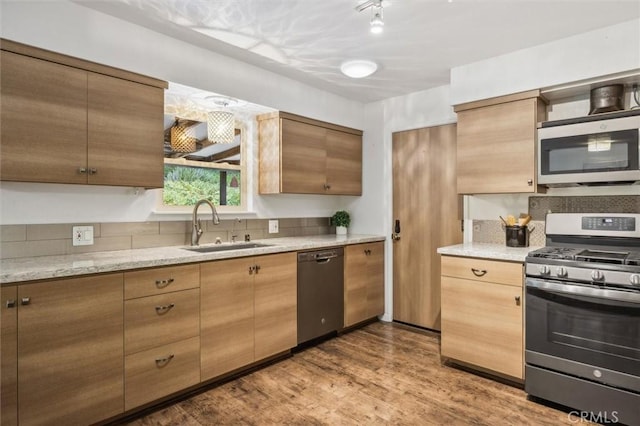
377,17
377,24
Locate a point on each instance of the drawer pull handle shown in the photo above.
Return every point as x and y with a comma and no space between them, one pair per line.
479,272
163,283
517,300
161,310
11,303
25,301
161,362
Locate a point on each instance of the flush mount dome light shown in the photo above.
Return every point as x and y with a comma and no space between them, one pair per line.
358,68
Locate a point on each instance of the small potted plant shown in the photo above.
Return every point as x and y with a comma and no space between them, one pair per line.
341,220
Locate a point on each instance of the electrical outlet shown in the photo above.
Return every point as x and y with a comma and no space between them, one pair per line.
82,235
273,227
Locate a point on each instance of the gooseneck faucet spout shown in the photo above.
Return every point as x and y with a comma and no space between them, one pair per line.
196,229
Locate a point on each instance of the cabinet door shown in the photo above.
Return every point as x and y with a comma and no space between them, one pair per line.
496,148
344,163
482,325
8,356
43,121
375,286
226,316
70,350
275,304
125,121
303,157
356,277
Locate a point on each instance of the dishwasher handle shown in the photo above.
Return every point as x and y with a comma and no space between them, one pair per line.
323,256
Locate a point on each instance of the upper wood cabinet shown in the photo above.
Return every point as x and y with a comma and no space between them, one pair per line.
496,141
65,120
299,155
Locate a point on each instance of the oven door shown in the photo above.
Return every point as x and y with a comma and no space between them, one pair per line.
585,331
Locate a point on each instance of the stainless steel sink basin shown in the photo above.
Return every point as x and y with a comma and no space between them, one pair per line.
226,247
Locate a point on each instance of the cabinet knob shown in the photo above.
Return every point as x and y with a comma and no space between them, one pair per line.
82,170
479,272
530,182
517,300
93,171
163,283
161,310
161,362
257,268
251,269
11,303
25,301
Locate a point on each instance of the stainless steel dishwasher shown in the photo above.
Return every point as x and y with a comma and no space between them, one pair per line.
320,293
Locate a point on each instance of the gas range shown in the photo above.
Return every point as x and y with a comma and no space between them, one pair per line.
600,249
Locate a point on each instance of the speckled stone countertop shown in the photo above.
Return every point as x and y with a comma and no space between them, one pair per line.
488,251
45,267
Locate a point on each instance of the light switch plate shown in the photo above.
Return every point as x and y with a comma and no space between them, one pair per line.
273,227
82,235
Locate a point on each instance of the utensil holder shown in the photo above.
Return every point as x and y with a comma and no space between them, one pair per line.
517,236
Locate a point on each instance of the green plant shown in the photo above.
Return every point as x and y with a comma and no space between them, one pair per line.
341,218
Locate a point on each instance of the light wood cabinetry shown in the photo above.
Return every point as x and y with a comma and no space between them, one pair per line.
482,317
363,282
65,120
496,141
304,156
248,311
9,356
161,332
70,350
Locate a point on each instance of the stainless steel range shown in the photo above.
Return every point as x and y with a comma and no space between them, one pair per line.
582,316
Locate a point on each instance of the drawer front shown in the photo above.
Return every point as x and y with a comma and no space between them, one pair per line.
494,271
150,282
161,371
157,320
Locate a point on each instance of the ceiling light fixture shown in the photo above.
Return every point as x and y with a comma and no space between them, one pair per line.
377,16
358,68
221,123
183,138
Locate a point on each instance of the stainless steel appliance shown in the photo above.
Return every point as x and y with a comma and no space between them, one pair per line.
320,293
582,315
592,150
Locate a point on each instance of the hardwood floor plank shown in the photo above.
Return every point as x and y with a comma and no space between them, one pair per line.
380,374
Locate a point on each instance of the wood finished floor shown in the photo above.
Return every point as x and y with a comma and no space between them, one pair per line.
380,374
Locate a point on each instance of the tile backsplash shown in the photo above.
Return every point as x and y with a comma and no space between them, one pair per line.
45,240
492,231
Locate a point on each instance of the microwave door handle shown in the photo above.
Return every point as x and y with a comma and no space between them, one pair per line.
585,291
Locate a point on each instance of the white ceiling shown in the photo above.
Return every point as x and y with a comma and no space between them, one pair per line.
422,40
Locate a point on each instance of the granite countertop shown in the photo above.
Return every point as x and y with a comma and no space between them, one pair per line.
488,251
45,267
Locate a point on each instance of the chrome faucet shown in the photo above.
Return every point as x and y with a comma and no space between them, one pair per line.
196,230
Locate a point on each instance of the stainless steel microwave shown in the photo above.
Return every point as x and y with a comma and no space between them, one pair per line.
600,152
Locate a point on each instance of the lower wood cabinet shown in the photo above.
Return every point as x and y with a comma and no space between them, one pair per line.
363,282
8,356
248,311
70,350
482,315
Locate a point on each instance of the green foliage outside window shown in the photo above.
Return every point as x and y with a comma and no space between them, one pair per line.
184,186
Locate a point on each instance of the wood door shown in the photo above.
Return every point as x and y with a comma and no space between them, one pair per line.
9,356
226,316
302,157
125,121
482,324
496,147
344,163
275,304
428,208
43,121
70,350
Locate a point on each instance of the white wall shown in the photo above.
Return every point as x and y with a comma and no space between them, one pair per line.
69,28
596,53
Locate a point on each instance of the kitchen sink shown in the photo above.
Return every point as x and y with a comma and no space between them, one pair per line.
226,247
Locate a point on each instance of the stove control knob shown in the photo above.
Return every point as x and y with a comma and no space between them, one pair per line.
561,272
635,279
544,270
597,275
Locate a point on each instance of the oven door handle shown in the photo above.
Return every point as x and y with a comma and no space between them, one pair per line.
585,291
